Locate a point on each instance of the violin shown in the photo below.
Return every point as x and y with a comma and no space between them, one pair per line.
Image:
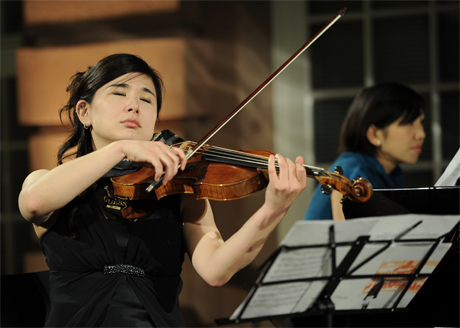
222,174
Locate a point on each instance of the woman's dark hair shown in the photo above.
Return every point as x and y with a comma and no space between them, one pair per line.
83,86
380,105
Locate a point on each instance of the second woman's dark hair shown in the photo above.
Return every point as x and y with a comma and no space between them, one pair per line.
380,105
83,86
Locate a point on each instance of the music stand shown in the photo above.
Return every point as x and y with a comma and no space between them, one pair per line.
344,262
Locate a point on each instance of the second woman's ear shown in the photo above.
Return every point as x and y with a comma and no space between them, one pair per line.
374,135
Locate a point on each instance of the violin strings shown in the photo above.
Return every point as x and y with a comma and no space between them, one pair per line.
249,158
249,155
238,157
235,155
242,156
263,160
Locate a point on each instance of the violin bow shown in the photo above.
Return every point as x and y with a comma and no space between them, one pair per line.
248,99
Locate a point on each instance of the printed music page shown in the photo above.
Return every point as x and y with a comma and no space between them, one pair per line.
305,254
425,226
298,264
355,294
451,173
273,300
305,233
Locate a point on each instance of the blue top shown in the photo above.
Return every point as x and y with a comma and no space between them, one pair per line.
354,164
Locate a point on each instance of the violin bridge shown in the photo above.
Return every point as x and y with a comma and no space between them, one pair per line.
187,148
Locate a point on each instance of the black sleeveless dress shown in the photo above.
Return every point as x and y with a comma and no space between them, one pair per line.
107,271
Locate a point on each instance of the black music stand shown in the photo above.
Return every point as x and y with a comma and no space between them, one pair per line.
253,309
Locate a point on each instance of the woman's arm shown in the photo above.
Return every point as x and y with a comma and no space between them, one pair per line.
44,191
337,207
217,261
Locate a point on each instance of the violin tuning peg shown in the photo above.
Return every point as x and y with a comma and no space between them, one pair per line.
325,189
357,178
347,196
339,170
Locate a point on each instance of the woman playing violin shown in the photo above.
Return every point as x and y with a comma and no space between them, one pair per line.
106,270
383,128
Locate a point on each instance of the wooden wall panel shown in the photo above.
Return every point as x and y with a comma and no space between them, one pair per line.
34,261
43,75
43,147
67,11
205,77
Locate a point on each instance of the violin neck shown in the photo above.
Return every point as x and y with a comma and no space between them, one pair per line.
251,161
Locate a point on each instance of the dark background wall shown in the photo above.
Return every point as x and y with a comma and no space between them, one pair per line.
226,52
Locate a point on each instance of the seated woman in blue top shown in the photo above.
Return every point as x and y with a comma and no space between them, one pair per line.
383,128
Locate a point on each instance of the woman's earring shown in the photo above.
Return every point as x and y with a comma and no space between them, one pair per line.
378,143
86,126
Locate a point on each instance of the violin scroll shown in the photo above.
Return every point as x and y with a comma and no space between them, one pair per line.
359,190
362,188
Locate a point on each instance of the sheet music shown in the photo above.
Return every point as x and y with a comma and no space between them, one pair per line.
283,298
298,264
317,232
451,173
310,296
273,300
398,259
432,226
